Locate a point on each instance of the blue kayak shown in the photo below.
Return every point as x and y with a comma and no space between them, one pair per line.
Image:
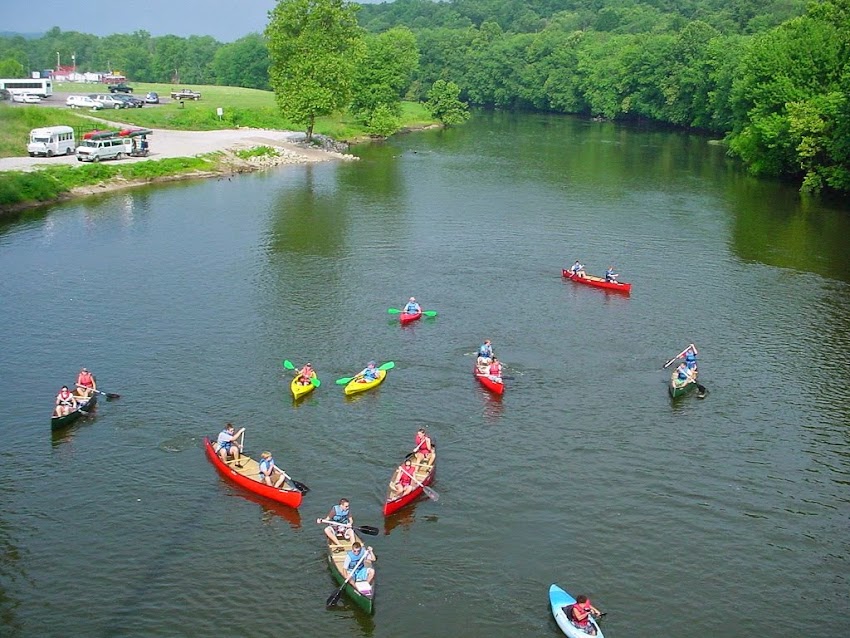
559,600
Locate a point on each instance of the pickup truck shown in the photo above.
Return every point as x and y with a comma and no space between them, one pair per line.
185,94
120,88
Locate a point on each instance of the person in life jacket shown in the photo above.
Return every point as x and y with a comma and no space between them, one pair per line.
358,565
577,269
495,370
86,385
691,357
268,468
486,350
402,481
610,275
684,374
305,374
369,373
66,402
412,307
424,446
580,612
226,444
341,515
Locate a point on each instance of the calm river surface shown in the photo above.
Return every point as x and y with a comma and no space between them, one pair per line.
671,515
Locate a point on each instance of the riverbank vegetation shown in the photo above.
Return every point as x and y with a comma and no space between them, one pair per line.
772,77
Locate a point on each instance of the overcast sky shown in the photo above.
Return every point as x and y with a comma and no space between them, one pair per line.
225,20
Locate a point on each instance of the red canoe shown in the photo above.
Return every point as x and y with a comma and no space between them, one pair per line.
599,282
496,387
424,473
407,317
246,477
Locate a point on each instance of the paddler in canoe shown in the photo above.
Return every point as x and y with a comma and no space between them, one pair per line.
611,276
340,514
268,468
494,370
226,445
66,402
578,269
402,482
86,384
358,566
424,446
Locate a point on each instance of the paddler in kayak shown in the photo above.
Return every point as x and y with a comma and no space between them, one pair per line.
367,374
305,374
412,307
579,614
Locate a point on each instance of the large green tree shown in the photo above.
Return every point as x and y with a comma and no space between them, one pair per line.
444,103
314,46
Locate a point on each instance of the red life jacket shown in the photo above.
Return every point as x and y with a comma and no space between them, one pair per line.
85,379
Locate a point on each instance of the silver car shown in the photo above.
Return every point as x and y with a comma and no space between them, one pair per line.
82,102
108,101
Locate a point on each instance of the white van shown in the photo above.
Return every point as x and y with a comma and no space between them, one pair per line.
82,102
52,140
109,148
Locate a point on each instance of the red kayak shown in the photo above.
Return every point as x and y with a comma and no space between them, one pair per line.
497,387
424,473
407,317
246,477
599,282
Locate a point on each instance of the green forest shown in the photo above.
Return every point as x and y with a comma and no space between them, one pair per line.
772,77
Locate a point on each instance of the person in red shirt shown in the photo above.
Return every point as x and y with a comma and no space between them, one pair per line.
424,446
402,482
86,385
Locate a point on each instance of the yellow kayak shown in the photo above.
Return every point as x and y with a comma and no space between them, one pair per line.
299,389
358,385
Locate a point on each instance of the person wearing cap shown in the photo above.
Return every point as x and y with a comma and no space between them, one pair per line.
580,613
369,373
305,374
412,307
226,444
86,385
65,402
486,350
268,468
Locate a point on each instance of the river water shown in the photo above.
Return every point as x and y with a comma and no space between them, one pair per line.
725,516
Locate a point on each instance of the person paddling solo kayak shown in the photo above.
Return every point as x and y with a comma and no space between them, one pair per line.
412,307
579,614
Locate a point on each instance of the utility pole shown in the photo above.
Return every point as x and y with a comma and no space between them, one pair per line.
74,62
57,62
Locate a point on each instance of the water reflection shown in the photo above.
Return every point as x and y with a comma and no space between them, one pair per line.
269,510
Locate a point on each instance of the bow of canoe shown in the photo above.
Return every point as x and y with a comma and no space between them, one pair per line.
360,593
678,387
84,406
247,477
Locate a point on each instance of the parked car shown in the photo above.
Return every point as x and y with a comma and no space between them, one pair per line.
152,98
185,94
129,100
108,101
120,88
27,98
82,102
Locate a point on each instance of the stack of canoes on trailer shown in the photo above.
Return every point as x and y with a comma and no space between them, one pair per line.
598,282
84,406
361,592
423,475
248,477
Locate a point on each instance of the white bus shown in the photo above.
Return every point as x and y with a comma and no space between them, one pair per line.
35,86
52,140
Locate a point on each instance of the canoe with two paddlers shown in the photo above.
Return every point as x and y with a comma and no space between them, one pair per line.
598,282
248,477
84,406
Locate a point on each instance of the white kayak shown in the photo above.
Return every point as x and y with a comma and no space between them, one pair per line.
560,602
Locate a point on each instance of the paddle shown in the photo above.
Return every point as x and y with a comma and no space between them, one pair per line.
363,529
389,365
290,366
678,356
428,491
108,395
334,597
427,313
298,484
